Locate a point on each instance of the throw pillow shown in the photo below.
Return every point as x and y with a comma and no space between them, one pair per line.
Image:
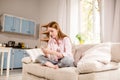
97,55
95,66
80,50
34,53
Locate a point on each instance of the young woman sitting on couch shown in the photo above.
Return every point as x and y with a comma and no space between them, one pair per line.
59,50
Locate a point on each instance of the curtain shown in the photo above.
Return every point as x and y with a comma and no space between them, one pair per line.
116,24
110,29
79,23
74,20
107,20
68,17
63,15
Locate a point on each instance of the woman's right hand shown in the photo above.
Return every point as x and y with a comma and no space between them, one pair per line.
48,51
44,51
59,55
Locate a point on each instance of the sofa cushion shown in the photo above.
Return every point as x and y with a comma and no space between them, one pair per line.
52,74
66,73
26,60
115,52
94,58
95,66
101,53
104,75
79,50
34,53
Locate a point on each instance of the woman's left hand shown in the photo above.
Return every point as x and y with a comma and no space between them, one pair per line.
45,51
59,55
48,51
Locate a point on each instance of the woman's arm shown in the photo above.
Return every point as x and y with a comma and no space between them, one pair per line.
67,47
48,51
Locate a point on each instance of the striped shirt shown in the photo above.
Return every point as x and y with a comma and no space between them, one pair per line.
62,46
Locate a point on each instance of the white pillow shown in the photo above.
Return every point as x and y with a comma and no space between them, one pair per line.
100,52
95,66
97,55
34,53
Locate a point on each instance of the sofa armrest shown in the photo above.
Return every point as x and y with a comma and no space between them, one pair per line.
26,60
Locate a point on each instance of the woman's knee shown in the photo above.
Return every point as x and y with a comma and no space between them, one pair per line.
42,59
66,62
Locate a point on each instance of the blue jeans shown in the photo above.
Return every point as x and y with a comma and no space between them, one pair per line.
64,62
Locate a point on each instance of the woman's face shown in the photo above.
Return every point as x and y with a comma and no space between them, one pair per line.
53,32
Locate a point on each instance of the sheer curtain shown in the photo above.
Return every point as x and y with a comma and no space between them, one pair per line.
63,15
107,20
68,17
110,29
74,20
79,23
116,24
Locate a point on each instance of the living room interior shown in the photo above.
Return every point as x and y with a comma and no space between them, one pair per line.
84,21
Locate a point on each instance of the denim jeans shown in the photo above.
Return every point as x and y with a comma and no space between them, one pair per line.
63,62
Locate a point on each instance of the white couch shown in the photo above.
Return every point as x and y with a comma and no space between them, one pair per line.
35,71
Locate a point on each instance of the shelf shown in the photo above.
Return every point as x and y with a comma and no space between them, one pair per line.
44,35
44,32
44,25
45,39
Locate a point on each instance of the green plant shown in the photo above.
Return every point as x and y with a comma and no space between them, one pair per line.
81,37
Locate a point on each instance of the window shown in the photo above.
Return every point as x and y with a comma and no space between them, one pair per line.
85,20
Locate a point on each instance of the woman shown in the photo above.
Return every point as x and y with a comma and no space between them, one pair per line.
59,50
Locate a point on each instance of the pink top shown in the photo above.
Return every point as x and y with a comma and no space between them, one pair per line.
63,46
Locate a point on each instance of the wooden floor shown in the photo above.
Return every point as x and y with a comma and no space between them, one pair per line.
15,74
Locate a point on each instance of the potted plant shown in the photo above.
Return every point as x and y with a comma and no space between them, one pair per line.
81,37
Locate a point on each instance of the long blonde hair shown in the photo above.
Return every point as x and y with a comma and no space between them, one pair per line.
56,26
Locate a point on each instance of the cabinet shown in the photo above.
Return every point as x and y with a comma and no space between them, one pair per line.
15,24
28,27
5,61
44,35
11,24
16,57
18,54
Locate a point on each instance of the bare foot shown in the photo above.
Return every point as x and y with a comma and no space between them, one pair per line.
49,64
56,67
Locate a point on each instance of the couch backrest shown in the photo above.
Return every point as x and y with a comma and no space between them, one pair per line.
115,52
79,49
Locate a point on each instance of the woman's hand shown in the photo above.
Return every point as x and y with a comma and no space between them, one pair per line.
48,51
59,55
44,51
